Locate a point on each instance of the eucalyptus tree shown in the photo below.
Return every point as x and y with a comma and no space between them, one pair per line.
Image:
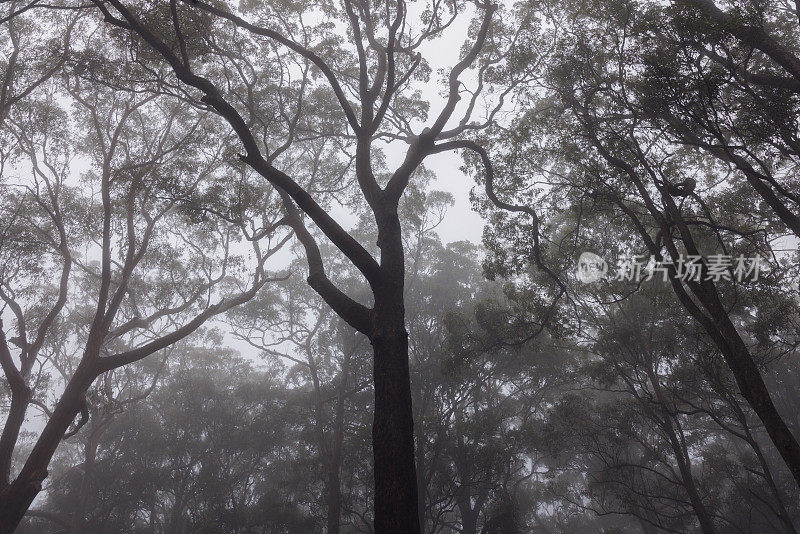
620,155
649,429
464,412
111,395
81,450
473,391
725,79
638,358
230,59
125,246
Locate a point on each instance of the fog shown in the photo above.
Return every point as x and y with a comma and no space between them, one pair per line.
382,267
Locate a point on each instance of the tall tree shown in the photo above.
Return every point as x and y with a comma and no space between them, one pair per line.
123,247
199,454
375,66
296,327
602,145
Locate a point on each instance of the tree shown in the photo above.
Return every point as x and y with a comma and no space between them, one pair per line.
376,70
158,274
297,327
607,160
199,454
30,57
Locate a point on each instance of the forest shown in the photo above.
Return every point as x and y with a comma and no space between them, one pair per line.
399,266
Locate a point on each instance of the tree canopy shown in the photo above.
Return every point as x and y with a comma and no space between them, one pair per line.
226,304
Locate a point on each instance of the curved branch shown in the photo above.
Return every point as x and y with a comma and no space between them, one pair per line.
753,36
423,145
354,313
123,358
490,192
354,251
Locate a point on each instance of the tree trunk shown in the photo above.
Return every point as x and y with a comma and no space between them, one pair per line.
334,498
717,321
20,397
469,521
393,426
747,374
685,468
393,421
783,513
420,401
90,456
751,385
16,500
334,476
335,466
734,350
420,456
681,454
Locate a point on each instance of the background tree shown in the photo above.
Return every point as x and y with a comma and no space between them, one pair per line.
208,401
615,179
325,360
152,274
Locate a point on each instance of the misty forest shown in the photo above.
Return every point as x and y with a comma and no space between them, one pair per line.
399,266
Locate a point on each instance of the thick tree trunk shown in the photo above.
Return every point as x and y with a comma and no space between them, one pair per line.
20,397
746,372
17,498
393,426
393,422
